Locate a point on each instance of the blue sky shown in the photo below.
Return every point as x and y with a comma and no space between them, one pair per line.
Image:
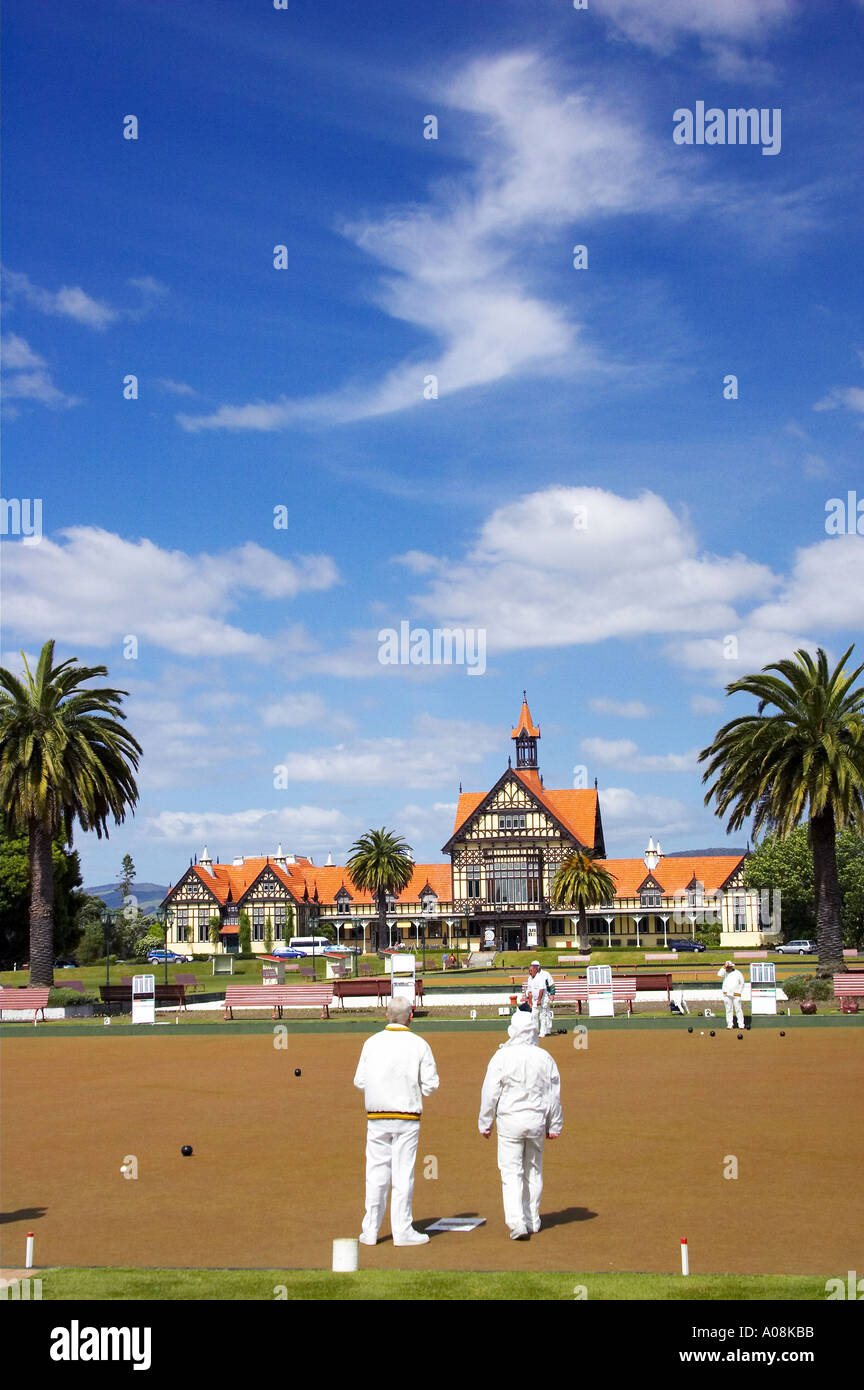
579,491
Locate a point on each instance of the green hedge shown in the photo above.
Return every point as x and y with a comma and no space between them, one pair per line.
808,987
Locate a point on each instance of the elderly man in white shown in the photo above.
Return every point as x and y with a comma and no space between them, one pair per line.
733,988
395,1071
522,1090
535,991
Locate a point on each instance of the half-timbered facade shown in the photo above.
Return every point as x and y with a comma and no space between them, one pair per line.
495,890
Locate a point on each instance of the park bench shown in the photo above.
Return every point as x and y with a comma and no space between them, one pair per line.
749,955
189,981
308,972
849,985
576,992
115,998
278,997
653,980
359,989
569,960
33,997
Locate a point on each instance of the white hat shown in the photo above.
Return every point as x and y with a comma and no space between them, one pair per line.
730,964
535,962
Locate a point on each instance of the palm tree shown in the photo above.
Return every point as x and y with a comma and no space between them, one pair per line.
380,863
582,882
63,757
805,760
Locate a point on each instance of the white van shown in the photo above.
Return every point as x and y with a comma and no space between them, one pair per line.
309,945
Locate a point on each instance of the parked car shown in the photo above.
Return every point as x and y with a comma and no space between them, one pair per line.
335,950
686,946
286,953
158,957
796,948
65,965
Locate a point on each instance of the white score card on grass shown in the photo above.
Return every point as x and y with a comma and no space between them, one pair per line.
456,1223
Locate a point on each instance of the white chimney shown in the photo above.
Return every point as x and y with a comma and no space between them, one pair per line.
239,861
329,861
652,856
279,857
205,862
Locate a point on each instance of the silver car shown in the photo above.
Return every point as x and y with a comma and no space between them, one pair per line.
796,948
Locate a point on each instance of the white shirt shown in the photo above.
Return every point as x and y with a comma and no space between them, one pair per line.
733,983
522,1089
536,984
396,1069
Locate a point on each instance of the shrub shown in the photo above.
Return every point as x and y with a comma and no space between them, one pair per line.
60,998
807,987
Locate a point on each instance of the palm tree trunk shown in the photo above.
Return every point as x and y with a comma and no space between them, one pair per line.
583,926
828,930
381,928
41,906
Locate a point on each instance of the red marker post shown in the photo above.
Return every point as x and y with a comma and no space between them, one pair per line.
685,1256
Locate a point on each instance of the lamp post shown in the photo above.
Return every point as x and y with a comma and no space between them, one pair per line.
107,922
162,918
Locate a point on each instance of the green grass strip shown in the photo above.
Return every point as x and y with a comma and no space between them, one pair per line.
70,1284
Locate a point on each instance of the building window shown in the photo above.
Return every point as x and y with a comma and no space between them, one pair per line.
739,911
512,821
473,887
695,895
649,897
514,881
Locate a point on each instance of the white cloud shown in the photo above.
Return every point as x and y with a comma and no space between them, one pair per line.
300,829
97,588
623,754
175,388
545,159
435,754
31,380
532,579
70,301
17,354
427,825
37,386
296,710
622,709
662,26
706,704
629,813
848,397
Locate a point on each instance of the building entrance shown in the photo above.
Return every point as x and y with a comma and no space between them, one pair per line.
511,938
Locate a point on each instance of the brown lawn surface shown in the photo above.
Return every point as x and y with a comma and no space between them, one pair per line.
278,1163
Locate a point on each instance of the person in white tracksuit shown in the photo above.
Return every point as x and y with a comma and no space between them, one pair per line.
396,1069
522,1091
733,988
536,992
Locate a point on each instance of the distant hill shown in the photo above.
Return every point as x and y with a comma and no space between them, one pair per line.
723,853
149,895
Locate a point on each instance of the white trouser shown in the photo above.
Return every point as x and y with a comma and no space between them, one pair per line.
391,1148
729,1000
543,1014
520,1162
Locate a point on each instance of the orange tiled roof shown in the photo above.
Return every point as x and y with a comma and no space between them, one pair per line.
526,723
237,878
673,875
331,878
575,808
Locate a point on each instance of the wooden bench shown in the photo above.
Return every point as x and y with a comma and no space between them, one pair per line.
749,955
115,997
189,981
577,960
33,997
278,997
576,992
655,980
849,985
380,989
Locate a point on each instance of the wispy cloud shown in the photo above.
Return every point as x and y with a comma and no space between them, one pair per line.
27,377
620,709
718,23
624,754
169,599
70,301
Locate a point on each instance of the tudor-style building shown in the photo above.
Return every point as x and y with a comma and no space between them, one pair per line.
508,844
506,847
